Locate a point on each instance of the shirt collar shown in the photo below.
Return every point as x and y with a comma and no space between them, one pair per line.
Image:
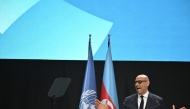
145,95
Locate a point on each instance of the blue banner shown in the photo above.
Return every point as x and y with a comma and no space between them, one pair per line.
89,93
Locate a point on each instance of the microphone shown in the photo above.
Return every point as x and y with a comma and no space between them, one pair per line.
155,105
157,102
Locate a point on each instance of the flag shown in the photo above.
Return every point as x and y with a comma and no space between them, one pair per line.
108,90
89,93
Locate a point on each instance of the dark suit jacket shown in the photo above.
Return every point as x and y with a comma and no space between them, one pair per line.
153,102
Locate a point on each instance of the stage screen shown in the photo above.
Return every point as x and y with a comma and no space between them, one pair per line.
151,30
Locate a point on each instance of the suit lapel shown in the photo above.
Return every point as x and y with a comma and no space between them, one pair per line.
149,101
136,101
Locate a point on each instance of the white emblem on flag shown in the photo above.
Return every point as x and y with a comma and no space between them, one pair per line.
88,100
109,103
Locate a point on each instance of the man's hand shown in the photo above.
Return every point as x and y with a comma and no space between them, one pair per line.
100,105
173,107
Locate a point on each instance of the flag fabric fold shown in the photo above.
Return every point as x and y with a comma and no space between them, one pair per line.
108,90
89,93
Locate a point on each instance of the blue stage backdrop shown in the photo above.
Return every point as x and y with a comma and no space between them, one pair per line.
151,30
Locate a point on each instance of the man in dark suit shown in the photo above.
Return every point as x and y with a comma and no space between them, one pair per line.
143,99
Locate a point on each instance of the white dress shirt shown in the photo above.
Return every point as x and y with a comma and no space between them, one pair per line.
144,98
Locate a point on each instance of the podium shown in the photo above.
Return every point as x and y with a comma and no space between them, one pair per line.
58,89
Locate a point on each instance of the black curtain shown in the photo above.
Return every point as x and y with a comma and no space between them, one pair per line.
25,83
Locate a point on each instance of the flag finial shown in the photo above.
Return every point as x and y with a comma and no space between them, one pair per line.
90,38
109,40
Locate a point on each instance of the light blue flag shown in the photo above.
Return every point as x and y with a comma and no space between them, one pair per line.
109,91
89,93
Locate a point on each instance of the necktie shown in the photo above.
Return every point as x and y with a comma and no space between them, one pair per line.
142,103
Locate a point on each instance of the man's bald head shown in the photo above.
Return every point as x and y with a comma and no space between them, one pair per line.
145,77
